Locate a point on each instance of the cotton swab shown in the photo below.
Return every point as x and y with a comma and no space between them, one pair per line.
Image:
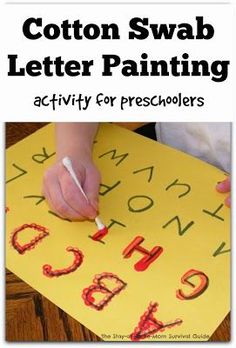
102,229
68,164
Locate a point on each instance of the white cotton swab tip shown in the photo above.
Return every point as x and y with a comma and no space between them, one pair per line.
99,223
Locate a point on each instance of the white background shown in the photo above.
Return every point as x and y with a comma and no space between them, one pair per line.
19,92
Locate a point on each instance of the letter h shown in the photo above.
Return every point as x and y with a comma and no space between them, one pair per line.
149,256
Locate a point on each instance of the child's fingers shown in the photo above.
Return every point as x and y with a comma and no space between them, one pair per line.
56,200
224,186
91,187
59,206
73,195
46,194
228,201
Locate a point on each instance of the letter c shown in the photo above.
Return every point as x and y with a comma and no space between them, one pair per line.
27,28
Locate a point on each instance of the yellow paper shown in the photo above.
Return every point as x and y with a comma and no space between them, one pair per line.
135,188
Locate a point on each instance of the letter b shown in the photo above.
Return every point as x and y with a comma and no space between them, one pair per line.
202,28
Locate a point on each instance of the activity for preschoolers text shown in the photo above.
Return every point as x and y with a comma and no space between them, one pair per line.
161,269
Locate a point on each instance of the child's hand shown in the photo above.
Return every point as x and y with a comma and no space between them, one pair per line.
224,187
65,198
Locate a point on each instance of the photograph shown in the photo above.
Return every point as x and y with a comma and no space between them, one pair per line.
118,231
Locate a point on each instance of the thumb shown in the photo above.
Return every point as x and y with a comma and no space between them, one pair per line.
224,186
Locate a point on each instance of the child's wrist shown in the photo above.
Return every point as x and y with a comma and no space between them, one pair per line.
79,152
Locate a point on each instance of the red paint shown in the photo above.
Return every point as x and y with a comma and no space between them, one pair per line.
100,234
78,259
99,286
149,257
28,246
148,325
198,290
